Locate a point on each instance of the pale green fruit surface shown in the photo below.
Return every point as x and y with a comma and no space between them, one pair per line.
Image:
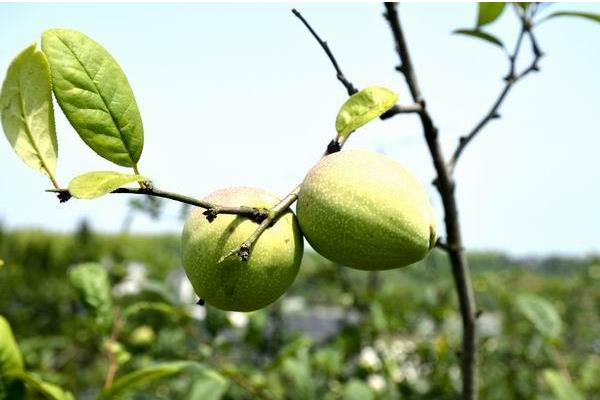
235,285
366,211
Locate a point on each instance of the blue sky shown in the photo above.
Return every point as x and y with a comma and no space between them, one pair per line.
241,94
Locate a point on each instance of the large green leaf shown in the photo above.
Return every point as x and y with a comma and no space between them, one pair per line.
561,388
91,282
27,114
98,183
489,12
93,92
10,354
48,390
145,376
590,16
541,313
478,34
363,107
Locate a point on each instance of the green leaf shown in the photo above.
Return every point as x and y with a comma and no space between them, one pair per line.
145,376
10,354
541,314
363,107
49,390
561,388
209,386
93,92
92,185
357,390
476,33
590,16
27,113
91,282
489,12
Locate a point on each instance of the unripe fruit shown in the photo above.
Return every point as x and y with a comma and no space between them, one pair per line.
364,210
232,284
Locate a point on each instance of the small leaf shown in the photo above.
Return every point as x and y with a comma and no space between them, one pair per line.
91,282
590,16
145,376
489,12
541,314
27,113
561,388
93,92
49,390
92,185
363,107
476,33
10,354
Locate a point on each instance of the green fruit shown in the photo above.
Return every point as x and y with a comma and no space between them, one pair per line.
235,285
366,211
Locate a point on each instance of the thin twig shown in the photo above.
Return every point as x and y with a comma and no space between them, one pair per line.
112,361
350,88
244,250
340,75
510,80
445,186
256,214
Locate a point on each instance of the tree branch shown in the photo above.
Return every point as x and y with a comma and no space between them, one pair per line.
510,80
445,186
212,210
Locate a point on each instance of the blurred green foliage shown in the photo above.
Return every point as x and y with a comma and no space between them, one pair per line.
337,334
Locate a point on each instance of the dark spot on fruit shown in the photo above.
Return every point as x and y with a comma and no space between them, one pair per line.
287,240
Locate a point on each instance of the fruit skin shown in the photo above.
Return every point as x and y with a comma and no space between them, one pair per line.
234,285
364,210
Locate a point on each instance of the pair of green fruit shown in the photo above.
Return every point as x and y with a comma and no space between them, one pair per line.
357,208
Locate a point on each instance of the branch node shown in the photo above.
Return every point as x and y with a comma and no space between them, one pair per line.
333,147
63,197
211,214
244,252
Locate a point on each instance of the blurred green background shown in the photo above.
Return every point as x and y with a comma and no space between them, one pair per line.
336,334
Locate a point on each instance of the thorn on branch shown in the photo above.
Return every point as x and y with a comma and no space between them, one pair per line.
478,313
495,115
